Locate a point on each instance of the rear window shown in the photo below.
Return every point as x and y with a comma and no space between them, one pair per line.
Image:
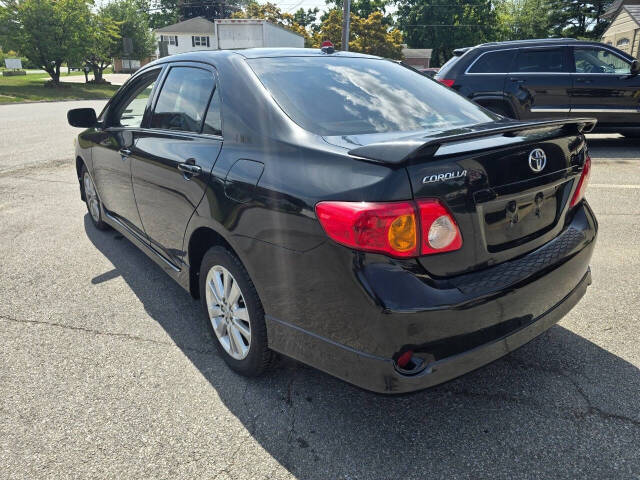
350,96
493,62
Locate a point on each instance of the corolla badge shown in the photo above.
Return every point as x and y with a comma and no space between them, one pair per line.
537,160
439,177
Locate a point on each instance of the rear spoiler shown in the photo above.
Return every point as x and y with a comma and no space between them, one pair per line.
401,150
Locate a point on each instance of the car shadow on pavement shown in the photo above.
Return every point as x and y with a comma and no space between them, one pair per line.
560,406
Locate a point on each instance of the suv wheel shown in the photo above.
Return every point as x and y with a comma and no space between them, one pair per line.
93,202
233,312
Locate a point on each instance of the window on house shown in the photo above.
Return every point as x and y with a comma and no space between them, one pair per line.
623,42
170,39
199,41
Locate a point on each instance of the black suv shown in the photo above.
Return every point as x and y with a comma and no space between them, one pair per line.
532,79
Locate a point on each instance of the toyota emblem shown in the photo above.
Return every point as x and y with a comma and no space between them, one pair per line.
537,160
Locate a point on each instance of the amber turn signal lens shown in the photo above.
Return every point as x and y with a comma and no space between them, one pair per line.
402,233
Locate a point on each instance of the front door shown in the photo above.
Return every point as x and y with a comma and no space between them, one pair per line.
604,87
539,83
174,156
111,154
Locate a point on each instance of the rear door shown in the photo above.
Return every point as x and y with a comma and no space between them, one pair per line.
539,82
603,86
175,154
485,77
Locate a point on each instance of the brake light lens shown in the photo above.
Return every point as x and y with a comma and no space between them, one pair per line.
398,229
440,233
447,81
582,183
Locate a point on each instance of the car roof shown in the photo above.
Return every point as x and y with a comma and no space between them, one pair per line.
249,53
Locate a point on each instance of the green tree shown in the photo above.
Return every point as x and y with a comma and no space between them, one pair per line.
578,18
133,23
49,32
104,44
367,35
521,19
444,25
306,19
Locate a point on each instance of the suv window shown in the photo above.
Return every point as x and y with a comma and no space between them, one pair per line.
130,111
541,61
493,62
599,60
183,99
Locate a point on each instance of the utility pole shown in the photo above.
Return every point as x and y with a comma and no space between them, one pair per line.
346,18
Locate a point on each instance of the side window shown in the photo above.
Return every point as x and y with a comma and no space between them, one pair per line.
183,99
213,120
130,111
493,62
540,61
599,60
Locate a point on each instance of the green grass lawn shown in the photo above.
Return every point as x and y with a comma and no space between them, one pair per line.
30,88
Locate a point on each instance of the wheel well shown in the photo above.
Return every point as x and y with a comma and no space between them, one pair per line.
202,239
79,165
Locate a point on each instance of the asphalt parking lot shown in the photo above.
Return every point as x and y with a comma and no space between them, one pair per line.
106,370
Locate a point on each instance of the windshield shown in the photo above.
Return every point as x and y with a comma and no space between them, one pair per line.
352,96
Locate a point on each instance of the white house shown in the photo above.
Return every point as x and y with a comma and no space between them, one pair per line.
221,34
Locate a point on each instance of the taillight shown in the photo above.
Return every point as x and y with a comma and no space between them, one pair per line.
582,183
440,233
399,229
447,81
389,228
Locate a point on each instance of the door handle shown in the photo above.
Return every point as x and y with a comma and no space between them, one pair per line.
583,80
517,80
125,152
189,170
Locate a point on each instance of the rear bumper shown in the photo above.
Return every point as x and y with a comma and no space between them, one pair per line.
380,375
455,328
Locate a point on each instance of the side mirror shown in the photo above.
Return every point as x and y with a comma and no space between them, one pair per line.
635,67
82,117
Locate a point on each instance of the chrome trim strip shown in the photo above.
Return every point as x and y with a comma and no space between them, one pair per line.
550,110
604,110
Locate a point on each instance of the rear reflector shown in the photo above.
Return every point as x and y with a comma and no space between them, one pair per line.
447,81
398,229
582,183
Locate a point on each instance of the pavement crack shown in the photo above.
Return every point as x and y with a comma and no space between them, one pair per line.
127,336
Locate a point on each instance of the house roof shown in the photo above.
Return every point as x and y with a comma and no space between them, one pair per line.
634,11
193,25
617,5
417,52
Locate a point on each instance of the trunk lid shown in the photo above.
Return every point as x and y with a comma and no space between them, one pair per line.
507,185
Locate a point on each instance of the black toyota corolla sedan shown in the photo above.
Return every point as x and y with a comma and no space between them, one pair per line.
343,210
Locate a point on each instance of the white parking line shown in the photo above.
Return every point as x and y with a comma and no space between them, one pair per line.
612,185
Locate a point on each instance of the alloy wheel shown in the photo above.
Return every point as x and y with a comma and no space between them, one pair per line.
92,197
228,312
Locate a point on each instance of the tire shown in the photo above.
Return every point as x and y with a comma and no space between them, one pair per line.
228,319
500,110
94,207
